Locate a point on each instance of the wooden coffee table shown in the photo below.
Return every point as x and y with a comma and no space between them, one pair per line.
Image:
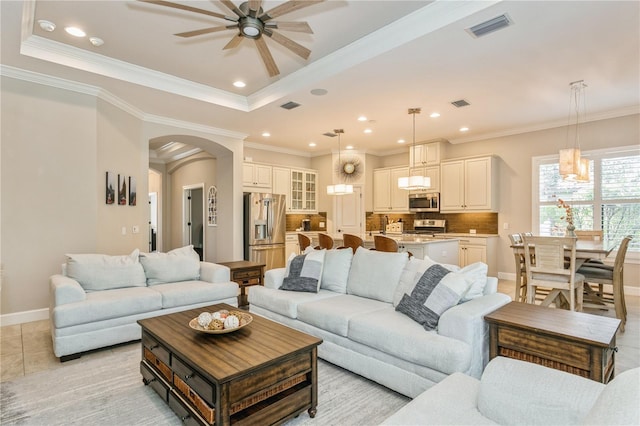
263,373
575,342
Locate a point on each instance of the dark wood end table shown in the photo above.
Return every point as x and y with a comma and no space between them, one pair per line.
264,373
246,274
575,342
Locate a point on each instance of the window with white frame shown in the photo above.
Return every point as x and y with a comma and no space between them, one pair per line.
610,201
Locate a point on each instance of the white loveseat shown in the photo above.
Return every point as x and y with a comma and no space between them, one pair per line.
513,392
98,299
354,313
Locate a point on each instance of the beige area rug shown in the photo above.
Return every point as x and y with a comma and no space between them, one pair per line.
108,390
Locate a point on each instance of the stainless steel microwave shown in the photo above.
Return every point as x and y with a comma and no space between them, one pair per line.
427,202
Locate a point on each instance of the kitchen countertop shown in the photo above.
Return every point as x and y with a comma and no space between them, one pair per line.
417,238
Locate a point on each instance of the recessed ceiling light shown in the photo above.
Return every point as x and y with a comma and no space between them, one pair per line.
435,115
46,25
239,84
464,129
266,134
96,41
312,144
368,130
362,118
348,147
75,31
401,141
319,92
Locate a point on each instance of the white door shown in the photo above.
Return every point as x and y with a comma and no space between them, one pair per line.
349,212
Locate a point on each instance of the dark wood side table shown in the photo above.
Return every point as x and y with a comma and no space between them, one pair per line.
246,274
575,342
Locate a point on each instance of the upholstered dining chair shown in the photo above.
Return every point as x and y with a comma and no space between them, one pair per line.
303,242
551,271
351,241
521,270
383,243
325,241
601,274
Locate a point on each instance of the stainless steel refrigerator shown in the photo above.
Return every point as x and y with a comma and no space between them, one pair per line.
264,228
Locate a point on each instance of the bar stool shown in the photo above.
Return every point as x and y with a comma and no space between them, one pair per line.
325,241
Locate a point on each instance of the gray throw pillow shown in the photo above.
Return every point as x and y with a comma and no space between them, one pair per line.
304,272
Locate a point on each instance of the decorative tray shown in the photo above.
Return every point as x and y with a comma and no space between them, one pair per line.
246,320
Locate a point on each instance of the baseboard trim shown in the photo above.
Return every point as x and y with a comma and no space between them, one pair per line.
23,317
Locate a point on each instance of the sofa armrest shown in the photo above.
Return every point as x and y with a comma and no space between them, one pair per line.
273,278
214,273
465,322
65,290
491,286
517,392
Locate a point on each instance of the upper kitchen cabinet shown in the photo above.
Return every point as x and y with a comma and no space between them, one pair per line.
424,155
282,182
433,172
387,197
256,177
469,185
304,191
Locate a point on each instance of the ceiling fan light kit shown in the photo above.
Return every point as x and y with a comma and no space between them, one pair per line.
252,23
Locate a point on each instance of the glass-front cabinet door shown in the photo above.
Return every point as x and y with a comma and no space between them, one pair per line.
304,190
297,184
310,191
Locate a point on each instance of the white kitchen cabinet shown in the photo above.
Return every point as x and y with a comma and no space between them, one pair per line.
479,249
256,177
281,179
433,172
425,155
304,193
387,197
469,185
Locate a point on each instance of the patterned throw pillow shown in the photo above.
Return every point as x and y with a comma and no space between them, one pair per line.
304,272
436,290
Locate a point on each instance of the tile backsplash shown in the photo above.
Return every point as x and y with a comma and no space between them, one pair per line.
294,221
483,223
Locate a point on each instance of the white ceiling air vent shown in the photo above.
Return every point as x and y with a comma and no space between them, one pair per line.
290,105
486,27
460,103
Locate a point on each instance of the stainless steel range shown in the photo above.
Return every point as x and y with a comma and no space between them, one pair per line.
428,226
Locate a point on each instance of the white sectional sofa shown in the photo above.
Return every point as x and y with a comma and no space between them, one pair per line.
354,312
513,392
98,299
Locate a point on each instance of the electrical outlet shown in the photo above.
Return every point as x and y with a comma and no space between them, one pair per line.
124,230
472,231
505,225
321,224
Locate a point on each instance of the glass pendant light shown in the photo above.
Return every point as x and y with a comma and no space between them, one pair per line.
414,182
339,188
572,166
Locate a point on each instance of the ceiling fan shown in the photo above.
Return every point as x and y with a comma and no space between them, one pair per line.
252,22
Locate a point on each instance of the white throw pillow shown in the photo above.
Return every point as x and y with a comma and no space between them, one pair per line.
335,272
375,274
181,264
97,272
477,274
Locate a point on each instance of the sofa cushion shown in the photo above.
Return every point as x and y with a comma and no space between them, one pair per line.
335,273
398,335
334,314
97,272
284,302
476,273
190,292
509,387
181,264
375,274
304,272
107,304
618,402
435,291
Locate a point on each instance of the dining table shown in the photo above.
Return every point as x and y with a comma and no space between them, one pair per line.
585,250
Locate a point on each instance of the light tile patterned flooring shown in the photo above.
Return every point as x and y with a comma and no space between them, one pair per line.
27,348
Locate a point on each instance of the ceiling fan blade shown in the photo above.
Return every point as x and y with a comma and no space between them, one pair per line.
272,68
298,27
296,48
254,7
232,7
202,31
188,8
287,7
235,41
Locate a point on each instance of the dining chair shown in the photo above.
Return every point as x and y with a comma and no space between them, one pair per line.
325,241
521,270
351,241
551,271
610,275
383,243
303,242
